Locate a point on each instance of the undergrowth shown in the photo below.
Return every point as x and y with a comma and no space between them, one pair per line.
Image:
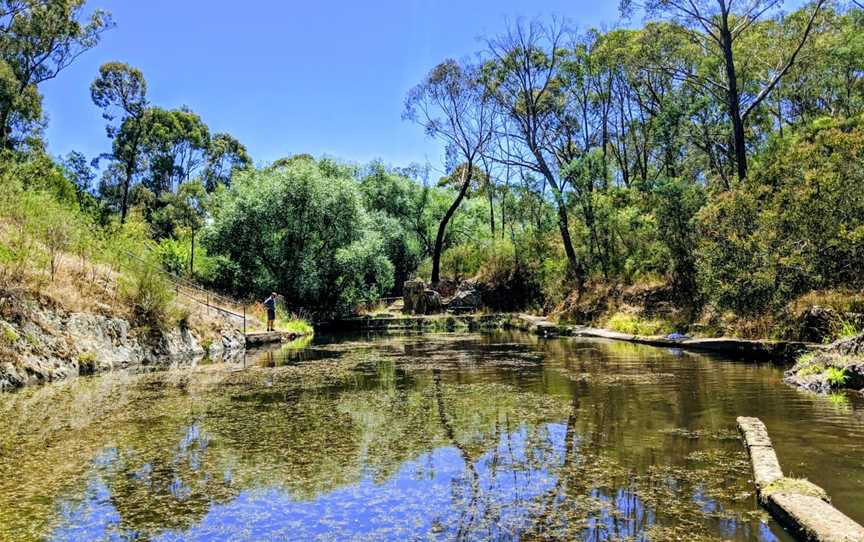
633,325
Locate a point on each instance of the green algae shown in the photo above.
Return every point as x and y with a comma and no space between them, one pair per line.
798,486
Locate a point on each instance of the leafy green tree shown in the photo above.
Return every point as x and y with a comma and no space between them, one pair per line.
405,215
121,92
38,40
79,171
796,225
719,26
175,146
301,230
452,105
523,76
185,211
225,157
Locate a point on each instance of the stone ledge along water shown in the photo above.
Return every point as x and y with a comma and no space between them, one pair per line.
801,507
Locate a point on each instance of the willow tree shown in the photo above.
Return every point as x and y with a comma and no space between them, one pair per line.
452,105
718,26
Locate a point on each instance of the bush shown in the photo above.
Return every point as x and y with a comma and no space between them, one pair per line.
149,294
795,225
632,325
300,230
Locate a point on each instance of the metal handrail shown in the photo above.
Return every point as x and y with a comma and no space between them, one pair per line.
180,282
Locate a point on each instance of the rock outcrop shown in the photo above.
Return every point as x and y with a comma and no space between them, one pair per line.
816,324
467,298
840,365
420,299
44,344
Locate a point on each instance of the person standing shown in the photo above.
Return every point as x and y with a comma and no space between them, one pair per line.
270,303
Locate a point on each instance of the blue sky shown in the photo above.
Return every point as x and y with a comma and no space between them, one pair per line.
284,77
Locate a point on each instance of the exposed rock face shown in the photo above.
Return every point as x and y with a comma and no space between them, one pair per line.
46,344
850,347
839,366
467,298
419,299
816,324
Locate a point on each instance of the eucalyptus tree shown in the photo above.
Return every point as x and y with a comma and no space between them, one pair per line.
186,210
121,92
524,76
38,40
717,26
176,147
453,105
225,156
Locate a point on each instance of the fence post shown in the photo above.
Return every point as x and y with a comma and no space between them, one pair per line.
244,319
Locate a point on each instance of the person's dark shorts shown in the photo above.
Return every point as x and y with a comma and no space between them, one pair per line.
271,314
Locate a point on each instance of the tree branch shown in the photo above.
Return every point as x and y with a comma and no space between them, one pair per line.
773,83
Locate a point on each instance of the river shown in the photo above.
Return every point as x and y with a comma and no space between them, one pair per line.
418,437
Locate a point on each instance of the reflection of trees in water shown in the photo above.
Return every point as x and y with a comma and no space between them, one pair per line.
153,490
311,433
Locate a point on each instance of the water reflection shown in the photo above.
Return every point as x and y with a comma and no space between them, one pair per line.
448,437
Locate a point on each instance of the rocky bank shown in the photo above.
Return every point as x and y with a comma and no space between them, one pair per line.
41,342
837,366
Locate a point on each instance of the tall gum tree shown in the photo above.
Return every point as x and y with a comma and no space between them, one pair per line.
38,40
452,104
537,134
120,91
717,25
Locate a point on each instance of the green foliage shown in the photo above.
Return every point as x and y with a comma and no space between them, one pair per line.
848,329
290,323
39,40
9,335
87,362
835,376
794,226
300,230
149,294
633,325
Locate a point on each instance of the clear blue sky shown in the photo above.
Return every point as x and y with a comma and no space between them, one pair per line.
284,77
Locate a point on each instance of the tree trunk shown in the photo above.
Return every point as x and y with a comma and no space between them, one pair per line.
491,212
124,204
575,268
192,257
442,227
5,132
734,104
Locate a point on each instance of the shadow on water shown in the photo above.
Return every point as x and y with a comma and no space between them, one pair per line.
448,437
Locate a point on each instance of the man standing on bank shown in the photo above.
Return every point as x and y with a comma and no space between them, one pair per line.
270,303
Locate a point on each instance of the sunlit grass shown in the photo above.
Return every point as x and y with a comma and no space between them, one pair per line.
633,325
294,325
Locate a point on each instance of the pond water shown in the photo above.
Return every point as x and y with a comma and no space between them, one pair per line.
418,437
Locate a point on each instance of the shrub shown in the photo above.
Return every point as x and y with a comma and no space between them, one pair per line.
301,230
149,294
836,377
9,335
793,226
87,362
632,325
848,329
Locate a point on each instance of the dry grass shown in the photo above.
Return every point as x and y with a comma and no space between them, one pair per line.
91,287
841,301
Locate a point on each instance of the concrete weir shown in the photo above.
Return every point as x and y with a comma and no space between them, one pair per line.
268,337
782,352
803,508
775,351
